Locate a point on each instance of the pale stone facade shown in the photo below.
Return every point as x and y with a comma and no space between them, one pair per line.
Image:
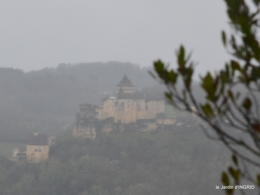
37,149
86,132
129,106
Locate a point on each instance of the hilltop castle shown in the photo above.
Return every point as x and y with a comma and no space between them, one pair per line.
129,106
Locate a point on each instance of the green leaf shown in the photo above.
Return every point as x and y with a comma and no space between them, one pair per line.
172,76
225,179
247,103
255,74
224,77
223,35
258,179
257,2
159,66
230,95
210,86
231,171
234,173
181,57
207,82
235,66
168,96
182,52
237,175
207,110
234,159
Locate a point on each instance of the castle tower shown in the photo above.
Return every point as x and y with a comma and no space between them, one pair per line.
125,85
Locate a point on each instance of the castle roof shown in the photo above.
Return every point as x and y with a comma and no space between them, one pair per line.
38,139
122,95
136,96
125,82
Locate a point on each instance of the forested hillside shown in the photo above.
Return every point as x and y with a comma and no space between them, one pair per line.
47,100
174,160
171,161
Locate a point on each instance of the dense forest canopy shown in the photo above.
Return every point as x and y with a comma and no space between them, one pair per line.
172,161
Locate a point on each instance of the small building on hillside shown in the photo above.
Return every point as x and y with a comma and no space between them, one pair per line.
37,149
19,154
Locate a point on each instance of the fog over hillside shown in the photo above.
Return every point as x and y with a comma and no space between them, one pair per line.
127,161
47,100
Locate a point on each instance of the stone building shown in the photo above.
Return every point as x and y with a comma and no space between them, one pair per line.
128,106
19,154
37,149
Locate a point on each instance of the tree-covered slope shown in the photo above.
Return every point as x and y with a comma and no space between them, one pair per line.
174,161
47,100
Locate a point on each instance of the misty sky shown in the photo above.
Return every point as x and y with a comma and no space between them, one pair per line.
35,34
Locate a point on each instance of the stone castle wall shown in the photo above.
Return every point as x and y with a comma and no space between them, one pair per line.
127,110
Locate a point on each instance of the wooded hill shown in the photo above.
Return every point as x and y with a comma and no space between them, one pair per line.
47,100
172,161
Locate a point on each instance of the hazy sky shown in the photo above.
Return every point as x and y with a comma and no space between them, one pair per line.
35,34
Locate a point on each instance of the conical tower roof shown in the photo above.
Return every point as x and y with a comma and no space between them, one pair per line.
125,82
